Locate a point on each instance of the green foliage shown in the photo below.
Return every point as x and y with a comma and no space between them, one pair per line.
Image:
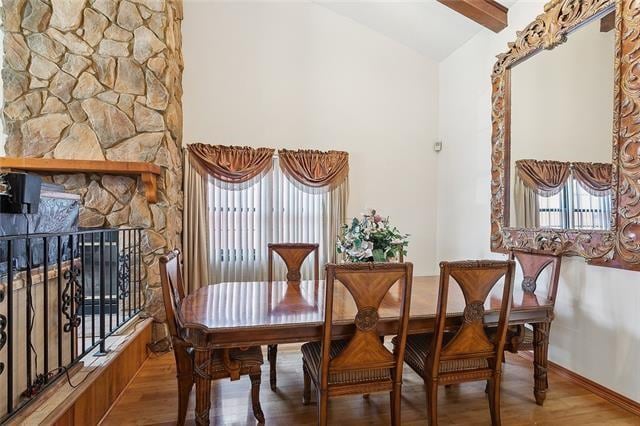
371,238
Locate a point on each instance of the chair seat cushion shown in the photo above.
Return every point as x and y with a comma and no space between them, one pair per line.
248,358
417,349
311,354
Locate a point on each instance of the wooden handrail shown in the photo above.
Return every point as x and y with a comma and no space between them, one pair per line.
147,171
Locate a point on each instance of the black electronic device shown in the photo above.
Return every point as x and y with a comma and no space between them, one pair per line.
24,194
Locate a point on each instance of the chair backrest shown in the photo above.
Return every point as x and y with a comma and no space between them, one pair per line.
368,284
532,265
293,255
476,279
172,289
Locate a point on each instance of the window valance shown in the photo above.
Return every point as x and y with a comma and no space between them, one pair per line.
232,164
310,170
595,178
548,177
544,177
315,169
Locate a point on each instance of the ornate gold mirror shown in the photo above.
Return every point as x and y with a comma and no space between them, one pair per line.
565,145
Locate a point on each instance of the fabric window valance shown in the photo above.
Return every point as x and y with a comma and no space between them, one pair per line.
315,169
595,178
232,164
548,177
544,177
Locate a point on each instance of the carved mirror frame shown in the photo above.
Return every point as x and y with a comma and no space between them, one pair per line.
620,246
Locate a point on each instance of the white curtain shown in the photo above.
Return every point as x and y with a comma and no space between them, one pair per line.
244,220
194,247
526,205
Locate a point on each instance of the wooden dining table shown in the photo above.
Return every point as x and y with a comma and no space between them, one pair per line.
242,314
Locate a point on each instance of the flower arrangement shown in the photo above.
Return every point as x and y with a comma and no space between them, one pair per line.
370,237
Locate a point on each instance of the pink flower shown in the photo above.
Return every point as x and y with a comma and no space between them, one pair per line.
377,218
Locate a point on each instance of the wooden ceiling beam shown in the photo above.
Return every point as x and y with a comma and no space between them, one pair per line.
608,23
487,13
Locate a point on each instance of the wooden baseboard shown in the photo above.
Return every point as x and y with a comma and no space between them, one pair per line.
117,371
593,387
96,385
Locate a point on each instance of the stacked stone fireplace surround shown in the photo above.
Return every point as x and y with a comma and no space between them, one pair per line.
102,80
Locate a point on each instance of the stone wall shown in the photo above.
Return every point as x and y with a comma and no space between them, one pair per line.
102,80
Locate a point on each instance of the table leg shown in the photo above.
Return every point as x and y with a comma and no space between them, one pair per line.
203,386
540,364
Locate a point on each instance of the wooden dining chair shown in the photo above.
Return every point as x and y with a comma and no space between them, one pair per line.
225,363
467,354
293,255
362,364
520,337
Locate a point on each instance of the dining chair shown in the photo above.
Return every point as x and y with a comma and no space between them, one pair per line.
466,354
293,255
361,364
225,363
520,337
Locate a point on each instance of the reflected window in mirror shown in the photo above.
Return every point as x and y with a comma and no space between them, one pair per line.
574,208
589,211
553,211
563,195
561,133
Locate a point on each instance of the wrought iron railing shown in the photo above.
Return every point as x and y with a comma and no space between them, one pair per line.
61,296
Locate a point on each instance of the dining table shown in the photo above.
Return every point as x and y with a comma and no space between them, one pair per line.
243,314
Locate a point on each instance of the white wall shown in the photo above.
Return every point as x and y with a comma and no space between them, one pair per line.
570,90
596,332
297,75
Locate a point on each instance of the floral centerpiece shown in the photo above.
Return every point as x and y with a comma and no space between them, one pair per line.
371,237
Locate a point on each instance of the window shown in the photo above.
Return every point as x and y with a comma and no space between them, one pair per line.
245,220
575,208
553,210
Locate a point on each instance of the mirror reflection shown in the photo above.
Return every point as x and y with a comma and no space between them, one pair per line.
561,132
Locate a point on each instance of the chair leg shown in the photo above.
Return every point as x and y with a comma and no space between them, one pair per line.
396,405
185,377
185,384
432,402
255,397
494,401
323,406
272,354
306,393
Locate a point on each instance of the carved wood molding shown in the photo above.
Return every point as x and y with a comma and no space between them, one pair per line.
619,247
588,244
627,129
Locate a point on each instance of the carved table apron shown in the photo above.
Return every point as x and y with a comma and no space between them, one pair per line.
261,313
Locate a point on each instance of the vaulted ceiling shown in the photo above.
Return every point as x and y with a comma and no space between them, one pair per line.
426,26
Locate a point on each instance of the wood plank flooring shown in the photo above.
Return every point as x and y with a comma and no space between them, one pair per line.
151,399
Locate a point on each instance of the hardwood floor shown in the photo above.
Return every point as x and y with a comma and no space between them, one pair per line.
151,399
